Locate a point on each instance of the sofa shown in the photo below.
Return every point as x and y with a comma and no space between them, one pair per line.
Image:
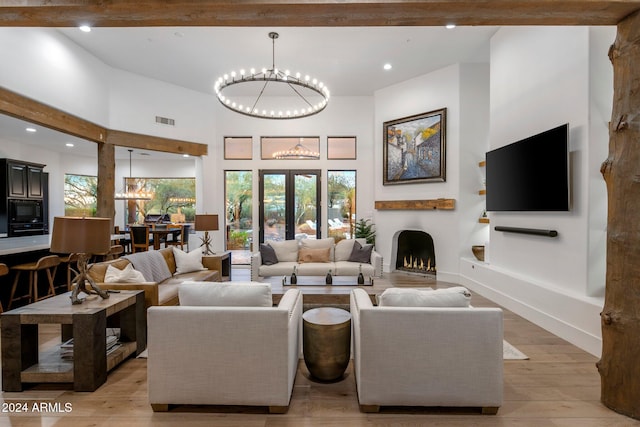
163,291
438,356
247,350
316,257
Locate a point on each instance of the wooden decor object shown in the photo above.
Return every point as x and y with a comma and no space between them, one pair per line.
431,204
620,319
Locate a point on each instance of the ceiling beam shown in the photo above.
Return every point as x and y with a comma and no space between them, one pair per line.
15,105
125,13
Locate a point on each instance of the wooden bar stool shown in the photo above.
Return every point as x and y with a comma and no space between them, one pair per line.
48,263
4,270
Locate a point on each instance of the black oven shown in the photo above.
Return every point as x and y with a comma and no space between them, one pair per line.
26,217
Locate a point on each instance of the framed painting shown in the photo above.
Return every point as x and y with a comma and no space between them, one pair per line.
414,149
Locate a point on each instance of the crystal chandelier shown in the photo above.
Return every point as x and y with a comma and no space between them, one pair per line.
311,95
133,195
299,151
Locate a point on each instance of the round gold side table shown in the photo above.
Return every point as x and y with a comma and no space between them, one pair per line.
326,342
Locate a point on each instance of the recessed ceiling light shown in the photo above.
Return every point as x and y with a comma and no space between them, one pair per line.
450,26
387,66
31,129
69,144
185,155
85,28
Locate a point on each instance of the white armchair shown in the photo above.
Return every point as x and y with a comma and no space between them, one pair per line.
205,355
426,356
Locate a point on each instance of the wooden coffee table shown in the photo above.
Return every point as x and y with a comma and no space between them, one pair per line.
87,324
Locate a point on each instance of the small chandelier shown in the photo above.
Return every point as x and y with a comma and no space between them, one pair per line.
304,87
299,151
133,195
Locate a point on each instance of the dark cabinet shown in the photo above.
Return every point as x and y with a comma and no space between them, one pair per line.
24,180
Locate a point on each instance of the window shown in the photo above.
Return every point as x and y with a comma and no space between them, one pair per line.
80,195
174,198
239,208
290,148
238,148
341,147
341,211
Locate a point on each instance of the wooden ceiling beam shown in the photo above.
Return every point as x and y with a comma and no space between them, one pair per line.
16,105
125,13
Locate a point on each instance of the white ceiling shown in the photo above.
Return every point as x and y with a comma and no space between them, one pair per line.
348,60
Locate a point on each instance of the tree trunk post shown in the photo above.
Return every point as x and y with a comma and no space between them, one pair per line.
106,181
619,365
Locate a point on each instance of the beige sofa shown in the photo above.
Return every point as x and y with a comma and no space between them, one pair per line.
426,356
155,293
287,252
246,355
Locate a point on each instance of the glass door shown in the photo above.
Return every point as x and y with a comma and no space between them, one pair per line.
289,201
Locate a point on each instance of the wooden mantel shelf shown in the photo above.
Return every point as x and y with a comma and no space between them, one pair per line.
431,204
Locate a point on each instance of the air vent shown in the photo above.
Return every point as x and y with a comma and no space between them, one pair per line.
165,121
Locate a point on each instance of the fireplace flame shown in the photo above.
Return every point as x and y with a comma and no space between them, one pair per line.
418,264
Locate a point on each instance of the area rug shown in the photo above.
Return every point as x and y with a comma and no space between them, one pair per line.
509,352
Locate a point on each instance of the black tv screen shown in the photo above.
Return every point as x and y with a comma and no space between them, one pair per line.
531,174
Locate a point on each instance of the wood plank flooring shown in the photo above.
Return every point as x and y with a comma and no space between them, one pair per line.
558,386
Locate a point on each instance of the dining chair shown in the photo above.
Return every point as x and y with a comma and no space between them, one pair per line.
176,231
139,238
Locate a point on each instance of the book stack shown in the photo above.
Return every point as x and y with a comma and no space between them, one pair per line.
66,348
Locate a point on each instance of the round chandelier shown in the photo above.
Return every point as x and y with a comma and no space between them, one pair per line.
299,151
311,95
131,194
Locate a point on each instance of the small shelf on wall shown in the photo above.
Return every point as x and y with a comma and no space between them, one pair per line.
483,220
482,164
482,192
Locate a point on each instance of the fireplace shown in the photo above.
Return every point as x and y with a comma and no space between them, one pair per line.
415,252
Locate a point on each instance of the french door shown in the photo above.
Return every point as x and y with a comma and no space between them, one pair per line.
289,204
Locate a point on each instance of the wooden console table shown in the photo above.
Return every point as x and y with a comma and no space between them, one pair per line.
220,262
87,324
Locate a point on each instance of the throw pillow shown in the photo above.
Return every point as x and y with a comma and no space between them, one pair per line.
268,254
286,250
313,255
456,296
343,249
230,294
361,254
126,275
187,262
328,242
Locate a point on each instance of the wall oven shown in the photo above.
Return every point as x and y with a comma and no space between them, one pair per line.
26,217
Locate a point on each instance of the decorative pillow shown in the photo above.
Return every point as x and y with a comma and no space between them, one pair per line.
313,255
361,254
328,242
343,249
267,254
456,296
229,294
286,250
187,262
126,275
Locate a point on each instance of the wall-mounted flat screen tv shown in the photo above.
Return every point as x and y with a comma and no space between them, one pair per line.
531,174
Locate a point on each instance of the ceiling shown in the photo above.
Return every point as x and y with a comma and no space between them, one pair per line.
349,60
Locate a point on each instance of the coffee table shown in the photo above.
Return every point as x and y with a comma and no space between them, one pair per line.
326,342
86,323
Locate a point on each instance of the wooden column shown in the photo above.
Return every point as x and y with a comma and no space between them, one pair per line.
106,180
619,366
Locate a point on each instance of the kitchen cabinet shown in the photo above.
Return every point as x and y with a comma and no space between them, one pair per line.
24,180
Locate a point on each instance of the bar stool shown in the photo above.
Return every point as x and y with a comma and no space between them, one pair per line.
48,263
4,270
71,260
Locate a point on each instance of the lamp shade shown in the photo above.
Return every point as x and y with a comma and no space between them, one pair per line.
206,222
81,235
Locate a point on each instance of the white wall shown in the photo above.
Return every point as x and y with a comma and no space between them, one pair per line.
42,64
540,78
464,144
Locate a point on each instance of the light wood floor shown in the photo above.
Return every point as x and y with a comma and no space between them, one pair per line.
558,386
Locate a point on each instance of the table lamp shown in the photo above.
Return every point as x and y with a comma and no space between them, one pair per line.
86,237
206,223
